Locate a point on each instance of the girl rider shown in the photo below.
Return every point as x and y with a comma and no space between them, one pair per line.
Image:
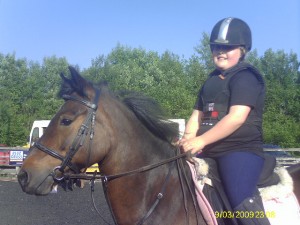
226,123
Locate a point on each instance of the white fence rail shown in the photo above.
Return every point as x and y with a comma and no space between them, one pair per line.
284,156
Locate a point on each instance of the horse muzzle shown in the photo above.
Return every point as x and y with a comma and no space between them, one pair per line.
37,184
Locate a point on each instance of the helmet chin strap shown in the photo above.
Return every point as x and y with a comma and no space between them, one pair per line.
243,53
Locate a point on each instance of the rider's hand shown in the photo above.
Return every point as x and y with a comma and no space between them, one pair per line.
195,145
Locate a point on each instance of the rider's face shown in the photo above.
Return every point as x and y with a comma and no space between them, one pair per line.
226,57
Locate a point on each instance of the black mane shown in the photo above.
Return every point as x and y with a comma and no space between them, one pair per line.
149,112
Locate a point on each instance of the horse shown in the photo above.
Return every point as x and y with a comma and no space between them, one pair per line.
145,177
121,133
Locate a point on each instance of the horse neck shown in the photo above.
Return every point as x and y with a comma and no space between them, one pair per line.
132,144
134,147
137,147
131,196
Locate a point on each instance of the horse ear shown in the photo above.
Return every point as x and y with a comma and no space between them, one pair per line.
78,80
79,84
76,84
67,83
64,78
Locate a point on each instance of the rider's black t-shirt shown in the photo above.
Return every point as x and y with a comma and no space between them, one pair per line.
245,89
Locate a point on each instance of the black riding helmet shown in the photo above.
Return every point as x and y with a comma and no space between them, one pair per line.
231,31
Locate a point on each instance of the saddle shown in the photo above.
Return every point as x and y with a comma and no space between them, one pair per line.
268,176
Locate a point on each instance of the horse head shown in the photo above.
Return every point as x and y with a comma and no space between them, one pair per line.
67,142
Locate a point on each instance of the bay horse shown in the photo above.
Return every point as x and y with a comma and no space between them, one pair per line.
120,133
146,179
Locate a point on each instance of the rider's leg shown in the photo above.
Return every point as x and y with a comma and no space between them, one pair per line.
255,214
240,173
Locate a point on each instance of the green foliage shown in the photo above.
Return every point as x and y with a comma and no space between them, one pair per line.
27,93
28,90
281,130
281,117
205,56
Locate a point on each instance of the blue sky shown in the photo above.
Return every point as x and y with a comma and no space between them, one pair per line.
81,30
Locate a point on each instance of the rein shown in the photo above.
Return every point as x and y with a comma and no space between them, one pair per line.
107,178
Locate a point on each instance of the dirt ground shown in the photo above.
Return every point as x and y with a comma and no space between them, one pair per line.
72,207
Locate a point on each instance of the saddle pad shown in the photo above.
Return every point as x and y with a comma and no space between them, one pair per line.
207,211
283,210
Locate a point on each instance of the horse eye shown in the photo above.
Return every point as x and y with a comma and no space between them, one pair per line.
66,122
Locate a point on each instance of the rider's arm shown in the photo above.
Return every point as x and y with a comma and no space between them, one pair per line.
226,126
193,124
231,122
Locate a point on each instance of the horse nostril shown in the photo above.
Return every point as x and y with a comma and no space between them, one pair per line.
22,178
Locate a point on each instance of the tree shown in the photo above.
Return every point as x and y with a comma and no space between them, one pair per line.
12,75
27,93
28,90
281,118
205,56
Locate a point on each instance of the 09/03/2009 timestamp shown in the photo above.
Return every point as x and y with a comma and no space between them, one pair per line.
244,214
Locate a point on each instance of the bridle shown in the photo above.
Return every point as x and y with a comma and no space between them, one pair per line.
86,128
